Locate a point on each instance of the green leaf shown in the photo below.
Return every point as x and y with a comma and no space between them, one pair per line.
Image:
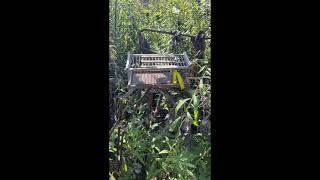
139,157
201,86
195,107
167,139
205,61
181,102
189,165
180,166
154,125
125,168
195,122
157,149
174,124
174,93
164,152
111,176
183,159
191,174
189,116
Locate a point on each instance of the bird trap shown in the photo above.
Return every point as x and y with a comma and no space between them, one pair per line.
160,70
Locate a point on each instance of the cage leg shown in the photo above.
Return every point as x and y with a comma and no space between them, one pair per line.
156,111
150,99
128,93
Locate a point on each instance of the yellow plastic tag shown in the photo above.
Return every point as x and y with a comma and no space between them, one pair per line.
176,75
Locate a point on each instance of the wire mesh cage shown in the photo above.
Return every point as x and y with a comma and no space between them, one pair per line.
155,69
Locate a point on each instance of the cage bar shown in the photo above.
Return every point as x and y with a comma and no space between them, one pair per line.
155,69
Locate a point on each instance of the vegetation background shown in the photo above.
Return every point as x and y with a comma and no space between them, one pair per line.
177,144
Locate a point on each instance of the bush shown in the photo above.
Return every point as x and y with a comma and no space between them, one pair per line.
178,146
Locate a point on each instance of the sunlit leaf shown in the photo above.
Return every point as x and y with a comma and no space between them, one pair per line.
167,139
157,149
174,124
125,168
111,176
195,107
181,102
154,125
189,116
164,152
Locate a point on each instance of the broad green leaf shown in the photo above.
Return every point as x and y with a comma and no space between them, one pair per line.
181,102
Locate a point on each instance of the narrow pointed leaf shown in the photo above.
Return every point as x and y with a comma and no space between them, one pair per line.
181,102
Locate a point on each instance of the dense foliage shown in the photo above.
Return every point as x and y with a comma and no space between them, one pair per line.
175,144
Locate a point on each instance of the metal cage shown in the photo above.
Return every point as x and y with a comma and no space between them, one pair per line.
155,69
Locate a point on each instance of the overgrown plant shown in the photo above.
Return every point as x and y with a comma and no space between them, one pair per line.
176,144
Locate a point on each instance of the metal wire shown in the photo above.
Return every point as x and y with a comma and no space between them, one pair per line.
157,61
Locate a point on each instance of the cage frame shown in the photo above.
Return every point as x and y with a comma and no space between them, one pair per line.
182,65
